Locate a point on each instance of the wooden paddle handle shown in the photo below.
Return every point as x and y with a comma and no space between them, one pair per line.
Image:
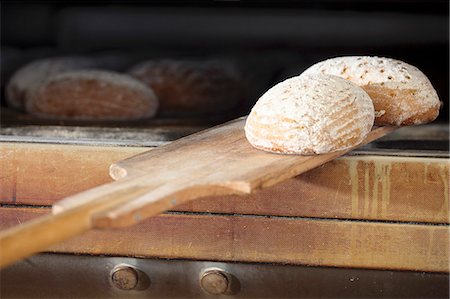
37,235
88,209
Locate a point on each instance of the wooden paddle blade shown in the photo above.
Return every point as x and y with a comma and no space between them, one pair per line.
160,200
185,153
217,161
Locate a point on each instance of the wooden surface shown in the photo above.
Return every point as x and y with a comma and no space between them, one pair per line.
217,161
58,170
351,187
364,187
244,238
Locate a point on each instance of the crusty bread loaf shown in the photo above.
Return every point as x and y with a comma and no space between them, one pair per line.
92,95
191,87
401,93
31,75
310,114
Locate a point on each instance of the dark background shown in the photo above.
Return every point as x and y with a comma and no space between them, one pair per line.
270,39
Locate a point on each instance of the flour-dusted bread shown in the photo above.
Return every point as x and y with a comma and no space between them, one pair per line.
310,114
191,87
92,95
31,75
401,93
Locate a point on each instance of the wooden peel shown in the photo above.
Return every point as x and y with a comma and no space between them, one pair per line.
217,161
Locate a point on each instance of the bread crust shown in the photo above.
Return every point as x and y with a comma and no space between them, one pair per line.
401,106
310,114
92,95
191,87
32,74
401,93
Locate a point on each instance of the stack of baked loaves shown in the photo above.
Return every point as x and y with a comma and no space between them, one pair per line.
80,88
334,104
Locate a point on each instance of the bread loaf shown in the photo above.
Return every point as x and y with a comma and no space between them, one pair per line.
310,114
31,75
401,93
191,87
92,95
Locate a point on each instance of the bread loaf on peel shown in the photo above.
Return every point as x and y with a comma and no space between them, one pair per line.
31,75
401,93
310,114
92,95
191,87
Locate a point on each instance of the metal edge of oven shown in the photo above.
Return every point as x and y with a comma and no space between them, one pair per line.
419,141
80,276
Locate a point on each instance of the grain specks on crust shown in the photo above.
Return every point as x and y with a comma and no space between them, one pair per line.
393,80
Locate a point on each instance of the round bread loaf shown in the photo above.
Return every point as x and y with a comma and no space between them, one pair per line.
401,93
191,87
92,95
31,75
310,114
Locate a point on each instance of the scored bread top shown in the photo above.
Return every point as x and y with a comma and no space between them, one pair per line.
310,114
384,73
